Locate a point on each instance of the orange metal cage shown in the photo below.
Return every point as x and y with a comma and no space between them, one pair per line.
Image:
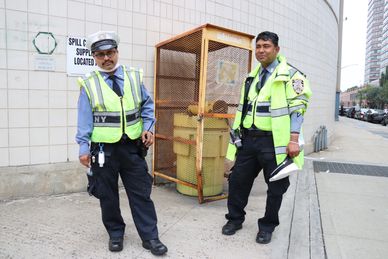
198,78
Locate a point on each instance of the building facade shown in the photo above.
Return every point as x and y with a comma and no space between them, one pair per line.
38,95
374,54
384,41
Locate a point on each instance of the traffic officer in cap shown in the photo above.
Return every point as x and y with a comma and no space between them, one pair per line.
115,125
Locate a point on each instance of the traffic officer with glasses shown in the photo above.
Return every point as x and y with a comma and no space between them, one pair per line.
265,133
115,125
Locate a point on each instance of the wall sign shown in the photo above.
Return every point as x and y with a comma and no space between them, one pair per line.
79,58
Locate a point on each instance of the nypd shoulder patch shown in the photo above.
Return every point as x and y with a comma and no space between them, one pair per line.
298,85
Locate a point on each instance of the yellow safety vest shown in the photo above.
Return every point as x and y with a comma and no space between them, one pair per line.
113,115
287,90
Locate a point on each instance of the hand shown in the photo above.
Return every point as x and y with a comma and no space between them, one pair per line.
85,160
293,149
147,138
293,146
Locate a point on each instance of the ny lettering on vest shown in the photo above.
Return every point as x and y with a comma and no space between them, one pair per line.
98,119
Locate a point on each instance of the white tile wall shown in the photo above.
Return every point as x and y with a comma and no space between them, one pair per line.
125,51
2,3
4,118
57,99
139,21
76,10
92,27
125,35
57,81
58,8
58,135
72,83
165,25
60,63
40,155
2,18
17,98
39,136
38,79
39,117
38,99
19,137
73,152
17,79
139,52
93,13
16,20
152,38
3,98
3,39
18,118
20,5
109,16
71,131
4,138
125,18
57,25
37,22
75,27
72,116
58,153
57,118
19,156
4,156
139,37
72,99
38,6
17,59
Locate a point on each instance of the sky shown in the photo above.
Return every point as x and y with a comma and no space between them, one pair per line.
353,43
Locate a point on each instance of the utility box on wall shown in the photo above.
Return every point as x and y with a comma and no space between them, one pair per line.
198,79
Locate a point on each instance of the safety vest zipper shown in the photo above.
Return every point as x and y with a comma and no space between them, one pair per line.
122,115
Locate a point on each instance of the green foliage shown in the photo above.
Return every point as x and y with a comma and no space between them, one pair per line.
376,97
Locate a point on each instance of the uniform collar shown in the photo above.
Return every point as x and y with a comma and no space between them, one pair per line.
271,67
118,73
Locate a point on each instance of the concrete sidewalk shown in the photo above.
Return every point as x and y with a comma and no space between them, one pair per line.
354,207
353,210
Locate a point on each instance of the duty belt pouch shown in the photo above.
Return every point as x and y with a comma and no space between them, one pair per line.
92,184
141,148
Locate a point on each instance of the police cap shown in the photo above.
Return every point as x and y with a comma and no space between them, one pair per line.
102,40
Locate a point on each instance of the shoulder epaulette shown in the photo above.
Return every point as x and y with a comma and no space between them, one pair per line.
293,70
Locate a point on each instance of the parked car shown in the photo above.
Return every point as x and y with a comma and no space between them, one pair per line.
375,115
343,111
350,113
359,115
384,121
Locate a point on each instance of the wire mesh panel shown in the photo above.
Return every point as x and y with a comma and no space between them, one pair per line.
197,85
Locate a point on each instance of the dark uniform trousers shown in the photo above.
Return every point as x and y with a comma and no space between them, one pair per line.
256,153
123,159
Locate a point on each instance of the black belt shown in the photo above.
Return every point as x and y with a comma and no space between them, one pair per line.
256,133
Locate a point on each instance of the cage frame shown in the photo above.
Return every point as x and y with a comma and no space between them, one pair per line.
209,32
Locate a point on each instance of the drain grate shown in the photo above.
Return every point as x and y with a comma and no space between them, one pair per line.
344,168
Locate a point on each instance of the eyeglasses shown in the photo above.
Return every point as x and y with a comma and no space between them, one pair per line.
101,55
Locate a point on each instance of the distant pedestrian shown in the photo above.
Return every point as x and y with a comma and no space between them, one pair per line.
268,120
115,116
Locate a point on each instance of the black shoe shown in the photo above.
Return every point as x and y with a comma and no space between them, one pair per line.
230,228
263,237
156,247
115,244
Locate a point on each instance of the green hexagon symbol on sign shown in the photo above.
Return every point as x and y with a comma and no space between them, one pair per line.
44,42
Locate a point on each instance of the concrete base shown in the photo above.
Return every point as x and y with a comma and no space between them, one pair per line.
37,180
